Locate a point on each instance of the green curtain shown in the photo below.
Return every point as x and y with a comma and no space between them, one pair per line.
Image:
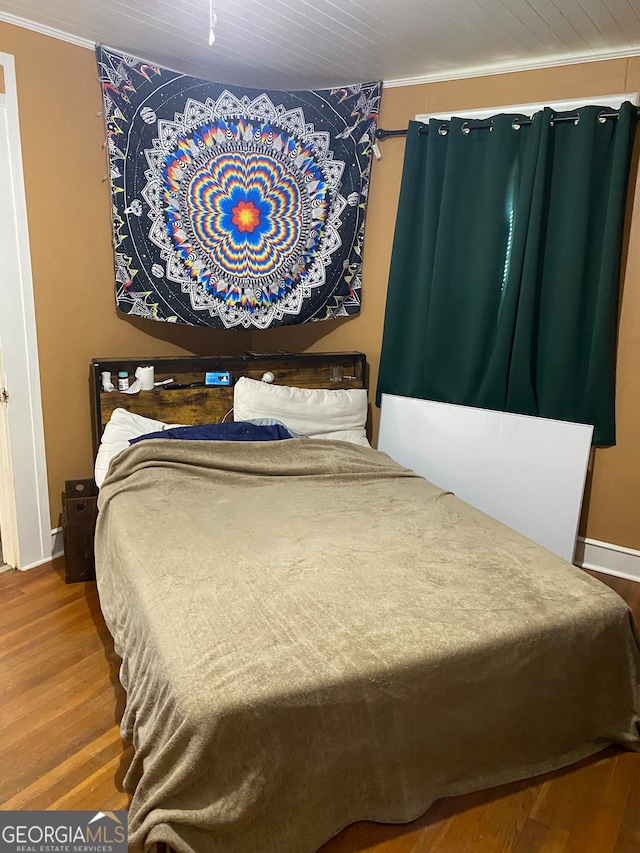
503,286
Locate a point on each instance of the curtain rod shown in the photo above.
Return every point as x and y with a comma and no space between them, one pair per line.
485,125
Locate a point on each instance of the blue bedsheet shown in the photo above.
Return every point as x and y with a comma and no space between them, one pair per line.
232,431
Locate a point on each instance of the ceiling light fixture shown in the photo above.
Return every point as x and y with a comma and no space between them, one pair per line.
213,18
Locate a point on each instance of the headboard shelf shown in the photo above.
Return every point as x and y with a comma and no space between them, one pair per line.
198,404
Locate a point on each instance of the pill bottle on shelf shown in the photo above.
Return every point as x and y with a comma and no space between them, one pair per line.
123,380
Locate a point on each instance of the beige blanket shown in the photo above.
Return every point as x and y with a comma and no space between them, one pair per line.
312,635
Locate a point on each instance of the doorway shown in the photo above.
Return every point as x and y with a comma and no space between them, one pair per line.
25,525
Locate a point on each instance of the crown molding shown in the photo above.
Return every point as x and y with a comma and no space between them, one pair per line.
514,66
435,77
7,18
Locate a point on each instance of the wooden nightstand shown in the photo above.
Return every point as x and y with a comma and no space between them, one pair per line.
79,513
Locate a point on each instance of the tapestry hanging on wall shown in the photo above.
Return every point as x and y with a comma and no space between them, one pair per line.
235,208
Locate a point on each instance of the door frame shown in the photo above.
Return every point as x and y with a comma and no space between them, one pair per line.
27,523
8,520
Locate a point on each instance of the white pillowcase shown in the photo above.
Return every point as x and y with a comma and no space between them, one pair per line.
339,414
122,426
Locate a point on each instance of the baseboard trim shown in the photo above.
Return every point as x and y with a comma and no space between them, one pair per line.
57,550
608,558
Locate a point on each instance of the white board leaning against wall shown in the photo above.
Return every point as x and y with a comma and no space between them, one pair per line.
527,472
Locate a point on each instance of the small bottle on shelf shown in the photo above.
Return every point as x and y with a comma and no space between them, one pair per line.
123,380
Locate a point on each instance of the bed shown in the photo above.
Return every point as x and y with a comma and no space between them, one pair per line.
312,635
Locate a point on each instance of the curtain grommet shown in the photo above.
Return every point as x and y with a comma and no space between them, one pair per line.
465,127
515,124
443,130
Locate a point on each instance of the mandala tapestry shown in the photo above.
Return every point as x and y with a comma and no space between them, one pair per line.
235,207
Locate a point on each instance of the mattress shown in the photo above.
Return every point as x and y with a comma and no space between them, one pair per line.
312,635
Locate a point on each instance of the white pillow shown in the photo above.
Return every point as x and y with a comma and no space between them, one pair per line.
122,426
339,414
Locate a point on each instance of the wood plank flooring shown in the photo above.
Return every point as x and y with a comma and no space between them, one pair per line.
61,701
60,744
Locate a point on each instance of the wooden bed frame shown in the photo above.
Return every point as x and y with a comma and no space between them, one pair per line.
189,401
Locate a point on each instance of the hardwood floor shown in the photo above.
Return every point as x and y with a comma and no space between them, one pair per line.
60,745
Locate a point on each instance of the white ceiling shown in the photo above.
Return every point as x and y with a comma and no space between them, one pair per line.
302,44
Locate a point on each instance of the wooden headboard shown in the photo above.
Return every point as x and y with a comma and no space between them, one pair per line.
194,403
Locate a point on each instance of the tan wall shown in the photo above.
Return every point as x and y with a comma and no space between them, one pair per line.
72,258
70,233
